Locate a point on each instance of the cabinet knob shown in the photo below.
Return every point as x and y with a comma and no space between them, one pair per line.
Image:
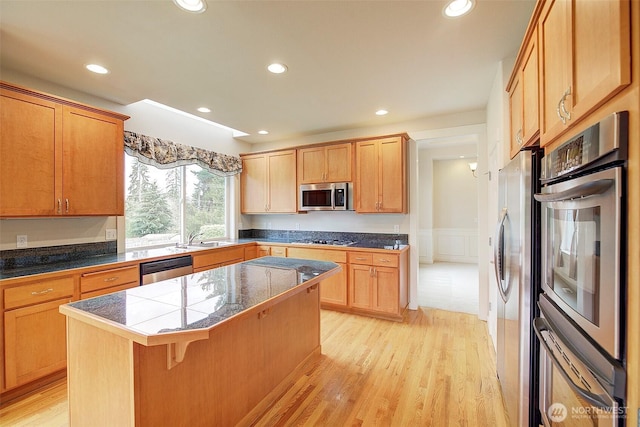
66,203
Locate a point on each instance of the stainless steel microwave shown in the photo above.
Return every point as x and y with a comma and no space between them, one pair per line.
337,196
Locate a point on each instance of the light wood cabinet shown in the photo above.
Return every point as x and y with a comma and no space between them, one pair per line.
268,183
97,283
327,163
585,59
523,100
380,182
333,291
377,283
58,157
217,258
34,330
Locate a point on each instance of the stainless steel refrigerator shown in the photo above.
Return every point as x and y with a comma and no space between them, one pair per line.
516,261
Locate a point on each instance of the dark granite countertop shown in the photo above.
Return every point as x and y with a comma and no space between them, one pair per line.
198,301
146,254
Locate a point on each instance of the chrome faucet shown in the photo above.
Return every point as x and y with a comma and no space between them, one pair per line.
192,236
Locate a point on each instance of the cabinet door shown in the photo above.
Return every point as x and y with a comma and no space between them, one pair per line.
34,342
385,297
311,165
253,184
530,92
360,284
555,66
282,190
515,107
391,177
30,160
366,185
93,163
601,52
338,163
334,289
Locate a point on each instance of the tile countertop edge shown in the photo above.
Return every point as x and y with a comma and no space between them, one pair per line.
122,260
191,335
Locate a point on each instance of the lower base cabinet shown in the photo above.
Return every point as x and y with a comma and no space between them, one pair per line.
34,331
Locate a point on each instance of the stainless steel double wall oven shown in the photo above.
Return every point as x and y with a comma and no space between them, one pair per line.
582,312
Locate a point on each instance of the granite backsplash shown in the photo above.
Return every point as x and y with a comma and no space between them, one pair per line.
373,240
20,258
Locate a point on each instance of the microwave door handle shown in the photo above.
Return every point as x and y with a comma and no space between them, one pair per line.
582,191
540,325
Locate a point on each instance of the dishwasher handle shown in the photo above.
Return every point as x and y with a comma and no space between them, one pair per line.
165,264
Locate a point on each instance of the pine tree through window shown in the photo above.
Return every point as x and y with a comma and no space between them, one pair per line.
163,206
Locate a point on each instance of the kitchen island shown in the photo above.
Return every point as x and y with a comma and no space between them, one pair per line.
204,349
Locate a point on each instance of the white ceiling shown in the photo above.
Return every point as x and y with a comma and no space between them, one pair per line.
346,59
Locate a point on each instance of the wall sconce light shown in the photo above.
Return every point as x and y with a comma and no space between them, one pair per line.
473,166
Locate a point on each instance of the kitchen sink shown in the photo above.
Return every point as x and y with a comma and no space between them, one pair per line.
199,245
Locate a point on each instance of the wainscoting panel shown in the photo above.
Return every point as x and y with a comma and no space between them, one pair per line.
454,245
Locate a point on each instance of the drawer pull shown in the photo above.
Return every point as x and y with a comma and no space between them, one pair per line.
46,291
384,260
361,259
111,279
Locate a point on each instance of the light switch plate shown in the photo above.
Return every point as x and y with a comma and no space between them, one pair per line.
111,234
396,229
21,241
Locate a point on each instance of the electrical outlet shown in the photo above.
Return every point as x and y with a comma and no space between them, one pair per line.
268,226
21,241
297,226
111,234
396,229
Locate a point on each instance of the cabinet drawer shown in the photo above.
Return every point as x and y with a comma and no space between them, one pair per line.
39,291
278,251
104,291
360,258
384,260
317,254
109,278
217,256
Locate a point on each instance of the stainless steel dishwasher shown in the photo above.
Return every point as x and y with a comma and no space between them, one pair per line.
155,271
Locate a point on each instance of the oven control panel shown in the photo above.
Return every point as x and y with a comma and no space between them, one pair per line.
593,144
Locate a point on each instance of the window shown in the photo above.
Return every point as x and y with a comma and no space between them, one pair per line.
164,206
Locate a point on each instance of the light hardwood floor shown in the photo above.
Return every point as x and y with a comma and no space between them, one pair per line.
436,368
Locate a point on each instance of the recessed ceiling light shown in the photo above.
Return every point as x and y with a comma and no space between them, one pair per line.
381,112
457,8
193,6
263,132
98,69
277,68
204,110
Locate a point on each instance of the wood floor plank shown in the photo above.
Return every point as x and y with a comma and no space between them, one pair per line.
437,368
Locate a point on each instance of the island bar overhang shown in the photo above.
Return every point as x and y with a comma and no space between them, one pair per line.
127,366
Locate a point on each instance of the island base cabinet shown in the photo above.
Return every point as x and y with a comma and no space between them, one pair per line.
34,342
221,380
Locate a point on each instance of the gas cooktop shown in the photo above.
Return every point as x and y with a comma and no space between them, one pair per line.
325,242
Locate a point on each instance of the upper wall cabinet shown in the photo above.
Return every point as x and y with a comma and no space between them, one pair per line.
380,182
268,183
327,163
58,157
523,99
584,60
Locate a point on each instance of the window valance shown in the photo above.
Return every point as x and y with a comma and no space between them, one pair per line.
165,154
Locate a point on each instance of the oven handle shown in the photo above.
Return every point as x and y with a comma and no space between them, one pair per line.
580,192
540,325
